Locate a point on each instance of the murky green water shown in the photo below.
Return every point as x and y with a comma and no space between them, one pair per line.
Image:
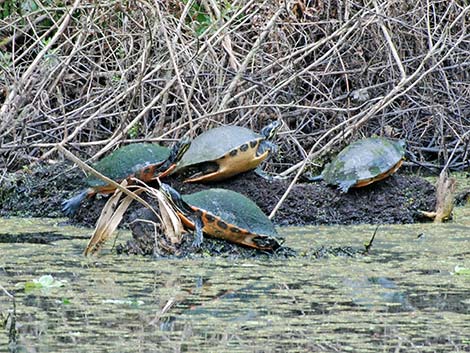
404,296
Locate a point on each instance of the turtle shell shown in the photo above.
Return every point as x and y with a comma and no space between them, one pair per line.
216,143
364,161
128,160
233,209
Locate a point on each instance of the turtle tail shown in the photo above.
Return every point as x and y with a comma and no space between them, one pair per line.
70,206
314,178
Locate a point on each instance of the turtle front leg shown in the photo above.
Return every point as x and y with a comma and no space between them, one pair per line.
70,206
266,146
198,225
345,185
265,150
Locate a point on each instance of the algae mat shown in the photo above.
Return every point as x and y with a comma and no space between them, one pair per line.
411,293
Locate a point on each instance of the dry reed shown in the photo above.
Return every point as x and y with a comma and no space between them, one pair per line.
92,75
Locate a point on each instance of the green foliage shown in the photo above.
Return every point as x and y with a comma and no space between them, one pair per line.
8,8
16,11
43,283
134,131
461,271
11,7
5,58
200,20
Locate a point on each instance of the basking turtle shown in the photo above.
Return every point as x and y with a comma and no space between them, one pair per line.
226,151
143,161
224,214
364,162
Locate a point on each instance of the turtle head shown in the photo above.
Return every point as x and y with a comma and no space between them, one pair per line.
402,143
176,153
179,149
173,196
270,131
401,147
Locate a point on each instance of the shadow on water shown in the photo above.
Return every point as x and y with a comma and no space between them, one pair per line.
405,295
35,237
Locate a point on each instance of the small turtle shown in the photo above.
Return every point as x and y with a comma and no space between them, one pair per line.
363,162
143,161
224,214
225,151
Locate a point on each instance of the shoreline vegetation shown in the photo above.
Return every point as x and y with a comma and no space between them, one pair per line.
90,77
80,79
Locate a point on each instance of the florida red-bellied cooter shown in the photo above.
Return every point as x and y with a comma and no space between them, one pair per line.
143,161
224,214
226,151
363,162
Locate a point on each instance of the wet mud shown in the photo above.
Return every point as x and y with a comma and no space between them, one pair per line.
40,191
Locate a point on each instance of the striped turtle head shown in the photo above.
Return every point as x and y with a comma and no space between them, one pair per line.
179,149
270,130
174,197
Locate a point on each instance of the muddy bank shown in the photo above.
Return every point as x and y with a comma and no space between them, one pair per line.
40,191
394,200
144,242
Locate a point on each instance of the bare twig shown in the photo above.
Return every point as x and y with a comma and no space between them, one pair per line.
111,74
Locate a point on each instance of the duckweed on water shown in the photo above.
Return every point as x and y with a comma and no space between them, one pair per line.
403,296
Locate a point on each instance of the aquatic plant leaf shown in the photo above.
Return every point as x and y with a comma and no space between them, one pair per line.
461,271
44,282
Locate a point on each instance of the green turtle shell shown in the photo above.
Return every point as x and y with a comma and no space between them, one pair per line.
364,159
233,208
215,143
127,160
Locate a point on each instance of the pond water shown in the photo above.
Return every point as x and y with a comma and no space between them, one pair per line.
411,293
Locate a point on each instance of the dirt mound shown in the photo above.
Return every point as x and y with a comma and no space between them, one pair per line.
394,200
39,193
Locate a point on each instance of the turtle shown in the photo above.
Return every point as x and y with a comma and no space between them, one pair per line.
363,162
224,214
225,151
144,161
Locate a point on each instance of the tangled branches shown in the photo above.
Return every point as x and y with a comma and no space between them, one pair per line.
92,75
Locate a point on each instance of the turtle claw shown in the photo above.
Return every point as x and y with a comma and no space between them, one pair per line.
70,206
197,243
261,173
198,225
345,185
311,178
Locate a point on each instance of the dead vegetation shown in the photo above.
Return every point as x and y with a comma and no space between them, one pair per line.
92,75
